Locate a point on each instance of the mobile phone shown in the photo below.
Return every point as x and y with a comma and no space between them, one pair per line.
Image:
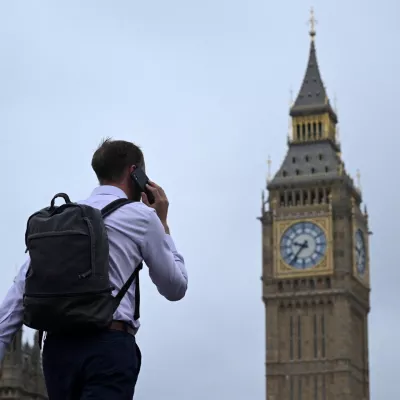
141,180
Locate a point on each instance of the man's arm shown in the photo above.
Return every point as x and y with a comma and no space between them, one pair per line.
11,310
166,266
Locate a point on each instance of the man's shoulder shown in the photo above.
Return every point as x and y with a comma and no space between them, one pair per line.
136,211
135,217
139,208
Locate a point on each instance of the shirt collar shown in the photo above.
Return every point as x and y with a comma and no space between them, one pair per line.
109,190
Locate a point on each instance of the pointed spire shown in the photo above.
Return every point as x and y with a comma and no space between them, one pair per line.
269,162
358,180
312,96
290,125
335,102
262,202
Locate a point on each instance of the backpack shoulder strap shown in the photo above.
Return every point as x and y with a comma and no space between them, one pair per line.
113,206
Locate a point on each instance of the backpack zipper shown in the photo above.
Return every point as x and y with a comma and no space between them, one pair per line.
92,244
59,233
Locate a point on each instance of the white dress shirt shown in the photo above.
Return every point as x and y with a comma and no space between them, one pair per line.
135,234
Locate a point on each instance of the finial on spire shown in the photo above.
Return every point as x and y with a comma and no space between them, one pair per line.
290,127
335,107
359,180
269,162
312,21
263,202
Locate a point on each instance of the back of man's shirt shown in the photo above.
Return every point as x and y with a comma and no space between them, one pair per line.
135,233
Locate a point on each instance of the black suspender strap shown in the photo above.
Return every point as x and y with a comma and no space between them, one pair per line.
107,210
136,315
126,286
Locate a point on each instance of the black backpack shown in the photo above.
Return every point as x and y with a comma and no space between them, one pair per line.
67,284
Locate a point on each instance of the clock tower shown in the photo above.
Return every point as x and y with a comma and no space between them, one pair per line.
315,260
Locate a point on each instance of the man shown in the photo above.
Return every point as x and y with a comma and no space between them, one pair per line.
105,365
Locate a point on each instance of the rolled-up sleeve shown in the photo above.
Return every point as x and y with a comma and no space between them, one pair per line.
166,265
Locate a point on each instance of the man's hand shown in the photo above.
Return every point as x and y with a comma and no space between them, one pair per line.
160,203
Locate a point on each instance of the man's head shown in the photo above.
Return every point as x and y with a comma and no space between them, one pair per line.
113,163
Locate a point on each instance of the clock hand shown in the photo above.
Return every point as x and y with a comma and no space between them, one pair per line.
302,246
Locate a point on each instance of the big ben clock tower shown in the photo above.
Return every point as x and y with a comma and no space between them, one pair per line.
315,260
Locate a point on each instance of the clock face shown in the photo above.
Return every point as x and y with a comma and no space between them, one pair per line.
303,245
360,252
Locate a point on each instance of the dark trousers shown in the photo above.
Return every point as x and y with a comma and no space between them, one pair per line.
103,366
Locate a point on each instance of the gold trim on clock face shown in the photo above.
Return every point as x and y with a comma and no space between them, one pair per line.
303,247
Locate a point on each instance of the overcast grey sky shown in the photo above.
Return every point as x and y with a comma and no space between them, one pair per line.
203,87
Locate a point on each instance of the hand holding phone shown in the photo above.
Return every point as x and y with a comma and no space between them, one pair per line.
152,195
141,181
160,204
